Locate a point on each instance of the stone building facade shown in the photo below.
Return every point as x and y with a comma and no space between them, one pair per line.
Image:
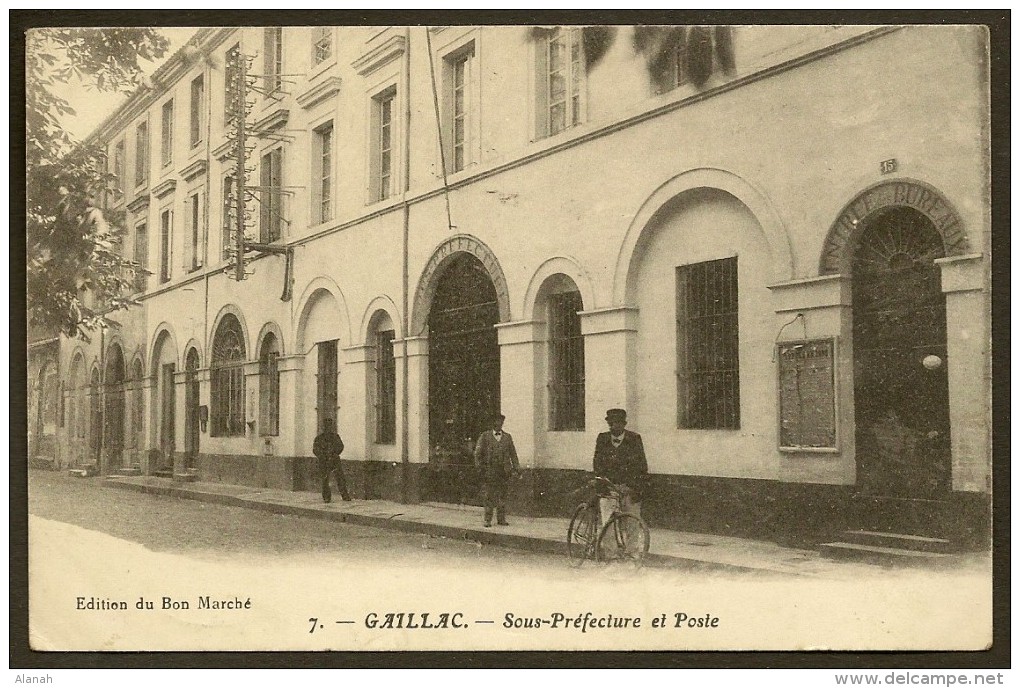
780,269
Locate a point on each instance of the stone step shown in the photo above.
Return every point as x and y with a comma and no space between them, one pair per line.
84,471
164,473
187,477
874,554
917,543
130,470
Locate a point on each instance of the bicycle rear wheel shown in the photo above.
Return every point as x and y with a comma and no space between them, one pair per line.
624,539
582,534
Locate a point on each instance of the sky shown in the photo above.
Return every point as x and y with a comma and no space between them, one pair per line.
92,107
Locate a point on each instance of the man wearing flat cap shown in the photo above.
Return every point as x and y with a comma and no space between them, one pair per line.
620,457
496,460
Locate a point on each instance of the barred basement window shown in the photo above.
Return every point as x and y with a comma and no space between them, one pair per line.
269,387
708,368
228,379
386,389
566,362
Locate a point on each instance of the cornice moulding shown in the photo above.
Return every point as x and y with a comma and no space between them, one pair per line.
375,58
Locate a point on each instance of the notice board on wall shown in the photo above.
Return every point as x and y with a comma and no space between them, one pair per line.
807,394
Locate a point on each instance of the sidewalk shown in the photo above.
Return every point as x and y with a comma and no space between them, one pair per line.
668,547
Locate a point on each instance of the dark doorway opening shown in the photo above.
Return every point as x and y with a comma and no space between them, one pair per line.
901,388
192,432
114,415
464,384
167,415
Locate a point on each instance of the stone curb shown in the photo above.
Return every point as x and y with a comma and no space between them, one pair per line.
411,525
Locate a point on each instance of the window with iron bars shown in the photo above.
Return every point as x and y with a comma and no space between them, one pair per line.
708,350
228,379
269,387
566,362
386,389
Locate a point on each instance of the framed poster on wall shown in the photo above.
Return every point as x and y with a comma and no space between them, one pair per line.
807,395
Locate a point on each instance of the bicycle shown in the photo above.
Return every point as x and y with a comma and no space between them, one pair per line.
624,537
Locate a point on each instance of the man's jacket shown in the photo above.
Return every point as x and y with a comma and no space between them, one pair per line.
496,459
624,465
327,445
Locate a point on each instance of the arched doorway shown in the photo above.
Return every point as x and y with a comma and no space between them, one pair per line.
901,390
191,405
95,418
464,374
164,405
114,416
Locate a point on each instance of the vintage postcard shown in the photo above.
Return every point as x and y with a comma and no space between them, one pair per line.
570,337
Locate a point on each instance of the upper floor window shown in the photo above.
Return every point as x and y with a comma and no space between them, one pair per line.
141,256
193,258
120,183
167,142
227,227
197,104
142,154
322,44
273,58
561,79
271,196
322,173
459,72
231,72
382,159
708,351
165,243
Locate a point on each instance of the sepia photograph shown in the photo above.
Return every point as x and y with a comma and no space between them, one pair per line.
503,337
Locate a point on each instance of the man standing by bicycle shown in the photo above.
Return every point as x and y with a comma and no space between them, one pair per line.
620,457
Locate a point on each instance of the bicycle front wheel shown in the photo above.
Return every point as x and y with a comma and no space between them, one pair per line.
582,534
624,539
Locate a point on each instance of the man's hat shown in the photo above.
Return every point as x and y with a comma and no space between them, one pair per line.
616,414
498,416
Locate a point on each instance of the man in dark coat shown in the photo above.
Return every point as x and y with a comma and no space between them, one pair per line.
327,449
620,457
496,460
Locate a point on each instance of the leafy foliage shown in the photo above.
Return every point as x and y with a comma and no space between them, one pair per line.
705,48
72,241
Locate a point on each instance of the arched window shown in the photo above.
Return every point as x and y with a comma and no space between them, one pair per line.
269,386
566,355
228,379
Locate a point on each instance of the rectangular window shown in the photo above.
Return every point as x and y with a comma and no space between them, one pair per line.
322,44
227,228
273,60
271,197
269,394
165,242
167,141
386,389
141,256
230,86
460,107
326,396
566,362
142,154
564,80
708,351
120,183
384,145
322,173
194,233
197,104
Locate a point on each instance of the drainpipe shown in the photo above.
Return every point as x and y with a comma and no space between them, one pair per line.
405,460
